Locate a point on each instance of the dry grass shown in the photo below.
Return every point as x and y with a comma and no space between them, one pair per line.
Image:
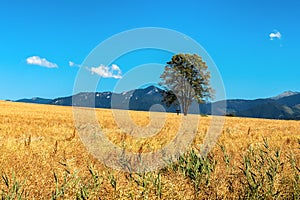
42,157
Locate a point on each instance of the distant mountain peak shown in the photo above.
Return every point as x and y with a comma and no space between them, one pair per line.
285,94
152,86
37,100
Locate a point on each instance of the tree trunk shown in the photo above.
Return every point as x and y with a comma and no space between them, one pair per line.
185,108
185,113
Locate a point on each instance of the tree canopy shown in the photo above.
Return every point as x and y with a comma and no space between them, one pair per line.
187,78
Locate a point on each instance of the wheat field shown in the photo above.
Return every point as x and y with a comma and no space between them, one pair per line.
43,157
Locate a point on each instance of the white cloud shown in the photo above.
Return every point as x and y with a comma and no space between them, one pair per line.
275,35
107,72
72,64
115,68
43,62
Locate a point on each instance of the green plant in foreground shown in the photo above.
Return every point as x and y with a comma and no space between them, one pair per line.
226,157
61,189
296,177
261,169
112,179
157,184
197,168
91,187
97,180
143,181
14,188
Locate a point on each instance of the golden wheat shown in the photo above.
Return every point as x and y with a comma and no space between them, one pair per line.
40,145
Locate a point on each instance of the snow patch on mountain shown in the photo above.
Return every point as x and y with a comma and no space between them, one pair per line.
285,94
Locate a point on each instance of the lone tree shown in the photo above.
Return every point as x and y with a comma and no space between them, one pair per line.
187,78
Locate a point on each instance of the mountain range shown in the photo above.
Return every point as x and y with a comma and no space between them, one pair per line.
283,106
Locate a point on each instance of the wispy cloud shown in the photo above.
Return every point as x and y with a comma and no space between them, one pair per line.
72,64
107,72
43,62
275,35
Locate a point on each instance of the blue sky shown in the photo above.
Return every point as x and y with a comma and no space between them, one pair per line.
235,33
